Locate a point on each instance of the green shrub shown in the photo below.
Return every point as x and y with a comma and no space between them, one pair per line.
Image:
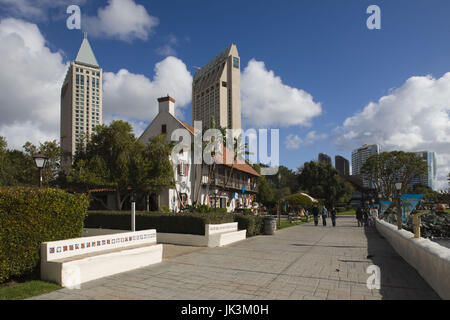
187,223
30,216
253,224
165,209
341,209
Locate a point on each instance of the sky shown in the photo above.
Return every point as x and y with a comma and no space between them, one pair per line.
310,68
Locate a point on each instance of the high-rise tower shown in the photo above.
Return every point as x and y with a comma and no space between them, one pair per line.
216,91
81,101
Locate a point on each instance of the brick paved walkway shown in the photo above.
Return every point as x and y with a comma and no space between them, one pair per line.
302,262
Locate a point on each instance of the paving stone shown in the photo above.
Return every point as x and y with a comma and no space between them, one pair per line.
301,262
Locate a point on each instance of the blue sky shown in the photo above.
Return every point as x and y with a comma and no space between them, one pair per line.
321,47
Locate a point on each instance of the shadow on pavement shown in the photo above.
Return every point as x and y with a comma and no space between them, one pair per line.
399,281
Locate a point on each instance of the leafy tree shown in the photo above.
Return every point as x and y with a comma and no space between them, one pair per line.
266,194
152,167
387,168
384,170
106,160
322,181
299,200
53,151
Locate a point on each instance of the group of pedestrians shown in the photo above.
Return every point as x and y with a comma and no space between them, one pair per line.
324,213
366,216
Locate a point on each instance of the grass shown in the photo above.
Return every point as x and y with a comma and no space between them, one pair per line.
23,290
287,224
447,210
347,213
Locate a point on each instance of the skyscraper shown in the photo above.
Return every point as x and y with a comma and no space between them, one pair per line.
430,178
81,100
216,91
359,157
342,165
324,158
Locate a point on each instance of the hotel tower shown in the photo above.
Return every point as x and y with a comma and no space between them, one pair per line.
81,101
216,91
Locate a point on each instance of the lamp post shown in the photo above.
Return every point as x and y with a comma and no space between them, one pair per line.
40,160
398,187
133,211
216,191
278,206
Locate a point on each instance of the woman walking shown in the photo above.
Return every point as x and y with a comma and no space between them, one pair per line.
333,216
324,216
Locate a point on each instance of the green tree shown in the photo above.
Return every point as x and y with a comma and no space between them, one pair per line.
384,170
153,169
266,194
299,200
106,160
322,181
53,151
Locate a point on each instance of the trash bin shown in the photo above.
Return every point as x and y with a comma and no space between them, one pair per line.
270,225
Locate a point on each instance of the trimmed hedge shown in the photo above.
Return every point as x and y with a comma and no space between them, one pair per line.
30,216
253,224
187,223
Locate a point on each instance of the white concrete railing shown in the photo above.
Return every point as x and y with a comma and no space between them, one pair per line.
74,261
216,235
430,259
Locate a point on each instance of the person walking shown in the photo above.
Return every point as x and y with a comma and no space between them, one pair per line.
359,216
324,216
333,214
315,212
373,216
366,217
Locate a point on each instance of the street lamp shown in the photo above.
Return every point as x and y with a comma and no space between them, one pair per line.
398,187
216,191
40,160
278,206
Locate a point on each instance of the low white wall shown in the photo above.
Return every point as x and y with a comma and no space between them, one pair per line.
216,235
74,261
184,239
430,259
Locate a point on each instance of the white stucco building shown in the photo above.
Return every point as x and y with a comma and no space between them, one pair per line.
234,186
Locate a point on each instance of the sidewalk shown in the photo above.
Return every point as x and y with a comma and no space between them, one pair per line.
301,262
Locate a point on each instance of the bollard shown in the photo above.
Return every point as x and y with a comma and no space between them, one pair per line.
133,216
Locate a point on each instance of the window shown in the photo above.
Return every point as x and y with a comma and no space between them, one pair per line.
236,62
163,128
224,84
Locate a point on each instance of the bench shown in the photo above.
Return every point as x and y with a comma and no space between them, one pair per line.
74,261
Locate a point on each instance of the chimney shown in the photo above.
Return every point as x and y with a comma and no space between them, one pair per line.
167,104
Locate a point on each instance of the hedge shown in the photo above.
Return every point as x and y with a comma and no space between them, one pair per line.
30,216
253,224
187,223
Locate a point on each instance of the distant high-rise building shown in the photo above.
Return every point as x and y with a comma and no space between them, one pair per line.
359,157
324,158
342,165
81,100
430,178
216,91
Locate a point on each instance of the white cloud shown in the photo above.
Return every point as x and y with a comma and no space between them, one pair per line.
166,50
133,96
36,10
30,84
414,117
31,79
293,142
120,19
267,101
